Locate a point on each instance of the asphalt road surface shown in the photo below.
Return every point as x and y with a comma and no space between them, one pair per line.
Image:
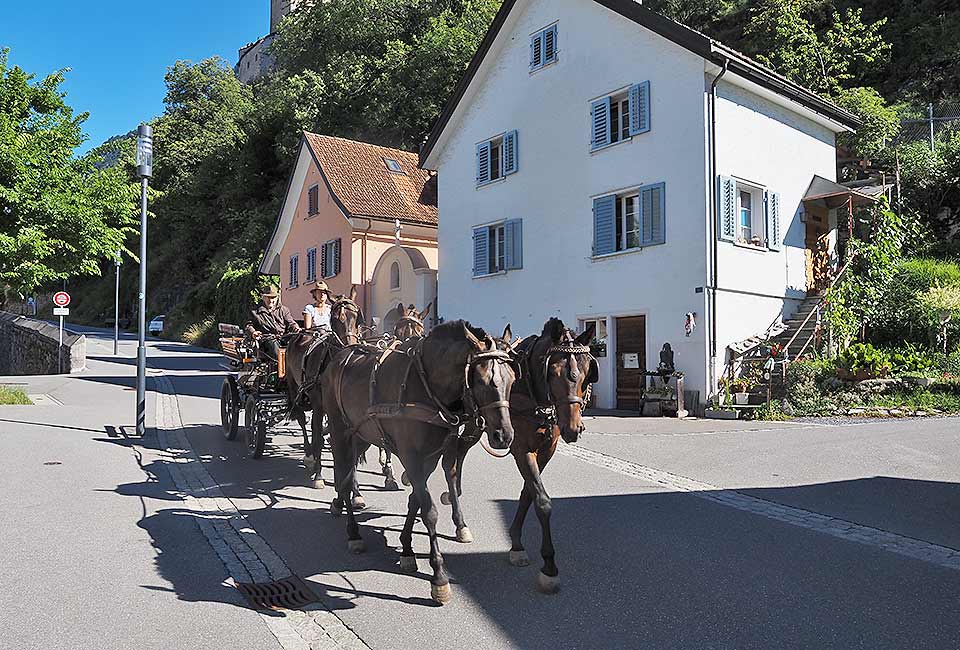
692,534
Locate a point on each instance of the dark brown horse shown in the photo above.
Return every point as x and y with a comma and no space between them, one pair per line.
411,399
306,357
557,370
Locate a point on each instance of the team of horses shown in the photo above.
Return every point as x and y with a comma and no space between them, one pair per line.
427,399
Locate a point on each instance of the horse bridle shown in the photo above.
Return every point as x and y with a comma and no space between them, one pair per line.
413,320
546,406
348,305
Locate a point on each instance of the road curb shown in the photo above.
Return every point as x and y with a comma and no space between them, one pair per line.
246,556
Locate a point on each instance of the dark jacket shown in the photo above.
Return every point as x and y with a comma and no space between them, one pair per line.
276,321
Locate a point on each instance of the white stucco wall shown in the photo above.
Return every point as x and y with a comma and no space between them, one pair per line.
777,149
599,53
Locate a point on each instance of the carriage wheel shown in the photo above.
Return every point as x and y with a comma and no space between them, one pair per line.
229,408
256,430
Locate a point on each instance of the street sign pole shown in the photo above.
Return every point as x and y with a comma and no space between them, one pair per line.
60,349
144,171
116,309
60,301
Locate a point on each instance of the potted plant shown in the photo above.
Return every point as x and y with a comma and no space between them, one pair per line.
741,391
719,407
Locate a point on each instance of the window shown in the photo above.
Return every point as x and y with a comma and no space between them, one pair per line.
497,157
395,276
393,166
311,264
620,116
330,258
313,200
749,214
629,220
498,247
543,47
294,270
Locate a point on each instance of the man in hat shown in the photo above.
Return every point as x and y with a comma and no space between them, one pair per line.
273,319
317,315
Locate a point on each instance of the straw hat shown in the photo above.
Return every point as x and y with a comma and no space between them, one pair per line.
320,286
270,292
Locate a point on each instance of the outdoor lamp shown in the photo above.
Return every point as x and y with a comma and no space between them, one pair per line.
145,151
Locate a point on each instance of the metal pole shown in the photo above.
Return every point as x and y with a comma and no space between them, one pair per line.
116,308
60,349
930,114
142,315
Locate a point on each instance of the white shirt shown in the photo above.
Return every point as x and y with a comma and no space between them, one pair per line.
319,316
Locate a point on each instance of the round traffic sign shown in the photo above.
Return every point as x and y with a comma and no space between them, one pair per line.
61,299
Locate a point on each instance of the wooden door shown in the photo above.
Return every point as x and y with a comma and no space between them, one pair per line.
817,249
631,340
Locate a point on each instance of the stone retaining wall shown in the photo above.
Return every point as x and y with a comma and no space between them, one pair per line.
30,347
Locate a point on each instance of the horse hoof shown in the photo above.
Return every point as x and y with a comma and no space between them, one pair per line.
356,546
548,584
441,594
391,484
405,479
358,503
336,508
464,536
445,498
408,563
318,483
519,558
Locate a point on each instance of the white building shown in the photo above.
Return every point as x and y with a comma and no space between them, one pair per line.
576,166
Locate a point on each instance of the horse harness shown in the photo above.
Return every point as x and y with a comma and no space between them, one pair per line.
544,411
434,412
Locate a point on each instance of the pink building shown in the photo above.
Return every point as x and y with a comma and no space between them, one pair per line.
338,224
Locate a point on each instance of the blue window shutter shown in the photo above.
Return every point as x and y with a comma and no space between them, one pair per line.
772,202
336,256
600,123
640,108
653,215
513,242
604,226
727,207
324,262
481,257
510,153
536,50
550,44
483,163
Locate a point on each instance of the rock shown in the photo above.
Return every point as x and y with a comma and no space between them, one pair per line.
877,386
920,414
856,411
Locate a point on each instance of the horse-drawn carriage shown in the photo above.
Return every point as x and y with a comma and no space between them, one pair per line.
255,386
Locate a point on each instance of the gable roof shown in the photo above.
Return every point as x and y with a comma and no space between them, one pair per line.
358,179
690,39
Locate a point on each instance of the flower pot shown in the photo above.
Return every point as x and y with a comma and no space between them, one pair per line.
741,399
717,414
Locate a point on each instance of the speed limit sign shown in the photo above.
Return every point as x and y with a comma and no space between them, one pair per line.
61,299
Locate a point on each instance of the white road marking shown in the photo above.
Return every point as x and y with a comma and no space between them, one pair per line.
840,528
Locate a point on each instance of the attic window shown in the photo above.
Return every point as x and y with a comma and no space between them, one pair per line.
393,166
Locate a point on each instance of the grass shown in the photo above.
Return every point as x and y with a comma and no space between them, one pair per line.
13,396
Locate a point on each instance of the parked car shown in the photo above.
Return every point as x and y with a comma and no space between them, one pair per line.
156,325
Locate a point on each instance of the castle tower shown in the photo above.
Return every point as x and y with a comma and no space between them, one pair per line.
279,9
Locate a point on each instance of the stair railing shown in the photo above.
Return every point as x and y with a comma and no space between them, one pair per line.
816,311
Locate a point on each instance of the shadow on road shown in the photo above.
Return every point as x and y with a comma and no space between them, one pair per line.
654,569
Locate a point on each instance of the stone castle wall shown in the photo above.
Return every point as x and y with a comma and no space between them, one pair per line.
31,347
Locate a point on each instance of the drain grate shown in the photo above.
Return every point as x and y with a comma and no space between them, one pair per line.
288,593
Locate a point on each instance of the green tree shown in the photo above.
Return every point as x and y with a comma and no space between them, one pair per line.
60,215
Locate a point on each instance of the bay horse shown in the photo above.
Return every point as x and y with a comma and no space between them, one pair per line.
411,399
546,403
306,357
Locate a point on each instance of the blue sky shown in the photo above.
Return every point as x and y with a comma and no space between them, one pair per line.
119,50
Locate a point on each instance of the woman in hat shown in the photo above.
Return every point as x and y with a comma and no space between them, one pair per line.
318,313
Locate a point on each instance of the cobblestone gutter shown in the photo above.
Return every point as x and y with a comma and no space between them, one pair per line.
245,554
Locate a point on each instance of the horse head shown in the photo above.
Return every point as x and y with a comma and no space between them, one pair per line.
465,365
411,322
346,317
568,371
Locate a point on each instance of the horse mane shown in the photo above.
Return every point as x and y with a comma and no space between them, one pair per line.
453,331
554,329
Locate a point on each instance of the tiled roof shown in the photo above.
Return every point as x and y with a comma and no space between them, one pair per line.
363,185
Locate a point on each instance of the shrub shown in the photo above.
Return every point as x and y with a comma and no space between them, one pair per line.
906,311
863,361
803,393
13,396
910,359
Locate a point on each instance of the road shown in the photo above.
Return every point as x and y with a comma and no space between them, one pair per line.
669,534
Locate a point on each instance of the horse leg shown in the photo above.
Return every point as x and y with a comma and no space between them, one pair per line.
518,555
548,580
344,470
386,465
451,471
439,583
408,561
302,421
316,428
